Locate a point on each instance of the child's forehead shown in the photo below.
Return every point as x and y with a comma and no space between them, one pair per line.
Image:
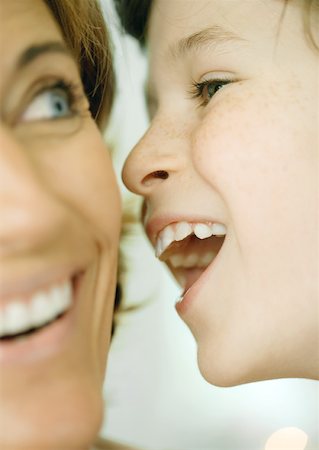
178,28
243,19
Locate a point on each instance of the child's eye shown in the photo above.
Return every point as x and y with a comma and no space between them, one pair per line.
53,102
205,90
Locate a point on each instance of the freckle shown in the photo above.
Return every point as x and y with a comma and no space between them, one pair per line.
171,129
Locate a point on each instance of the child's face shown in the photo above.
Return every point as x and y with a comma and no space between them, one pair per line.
244,154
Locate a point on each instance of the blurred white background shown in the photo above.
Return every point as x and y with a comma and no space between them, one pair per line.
155,396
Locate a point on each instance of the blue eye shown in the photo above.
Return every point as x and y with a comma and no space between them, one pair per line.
52,103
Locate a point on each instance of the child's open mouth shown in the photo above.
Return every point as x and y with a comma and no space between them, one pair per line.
189,248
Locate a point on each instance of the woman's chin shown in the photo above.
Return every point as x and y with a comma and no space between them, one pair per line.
60,408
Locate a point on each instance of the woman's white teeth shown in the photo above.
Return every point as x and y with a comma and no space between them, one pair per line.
20,316
181,230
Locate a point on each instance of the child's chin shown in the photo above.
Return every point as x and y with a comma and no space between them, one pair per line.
223,370
221,378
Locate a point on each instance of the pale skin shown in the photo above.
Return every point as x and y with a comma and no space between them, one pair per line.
56,193
245,154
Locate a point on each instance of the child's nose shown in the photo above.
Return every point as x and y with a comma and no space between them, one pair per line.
156,158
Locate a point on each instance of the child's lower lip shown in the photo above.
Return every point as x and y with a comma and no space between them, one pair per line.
191,277
191,291
40,344
188,297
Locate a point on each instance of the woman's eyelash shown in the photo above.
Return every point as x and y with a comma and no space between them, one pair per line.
198,89
53,99
73,91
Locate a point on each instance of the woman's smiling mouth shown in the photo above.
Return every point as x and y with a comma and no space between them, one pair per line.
33,325
19,318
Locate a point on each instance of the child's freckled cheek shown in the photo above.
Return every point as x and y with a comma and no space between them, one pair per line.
224,138
241,138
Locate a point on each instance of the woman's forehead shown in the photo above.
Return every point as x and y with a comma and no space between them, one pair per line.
27,27
28,20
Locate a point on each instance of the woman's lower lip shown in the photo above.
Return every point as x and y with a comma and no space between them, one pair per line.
41,344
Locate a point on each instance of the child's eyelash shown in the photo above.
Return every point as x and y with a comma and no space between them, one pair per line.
197,89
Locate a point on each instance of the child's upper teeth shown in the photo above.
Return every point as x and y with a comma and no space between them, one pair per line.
182,230
218,229
19,316
179,231
167,238
203,231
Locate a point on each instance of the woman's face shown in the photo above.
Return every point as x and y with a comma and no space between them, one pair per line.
233,93
59,230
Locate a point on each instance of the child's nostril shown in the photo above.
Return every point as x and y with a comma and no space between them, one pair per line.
162,174
158,174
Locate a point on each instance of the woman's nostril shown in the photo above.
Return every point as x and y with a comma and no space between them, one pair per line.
157,174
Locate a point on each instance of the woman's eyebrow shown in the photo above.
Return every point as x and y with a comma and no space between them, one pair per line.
34,51
209,37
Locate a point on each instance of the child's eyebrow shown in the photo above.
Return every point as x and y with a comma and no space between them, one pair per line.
209,37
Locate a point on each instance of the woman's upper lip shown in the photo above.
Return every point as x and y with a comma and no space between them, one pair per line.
25,286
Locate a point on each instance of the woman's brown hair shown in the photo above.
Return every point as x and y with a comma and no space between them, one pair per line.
83,28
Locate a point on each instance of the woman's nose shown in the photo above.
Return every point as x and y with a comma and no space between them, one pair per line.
157,157
29,214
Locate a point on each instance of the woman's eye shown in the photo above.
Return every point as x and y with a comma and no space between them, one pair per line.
52,103
205,90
